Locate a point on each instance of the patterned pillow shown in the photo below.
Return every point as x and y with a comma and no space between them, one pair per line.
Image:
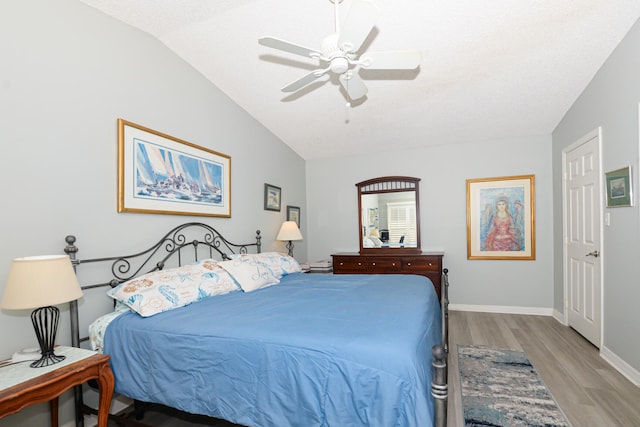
165,290
279,264
250,273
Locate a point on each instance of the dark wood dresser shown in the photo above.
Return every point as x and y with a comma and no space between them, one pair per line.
427,264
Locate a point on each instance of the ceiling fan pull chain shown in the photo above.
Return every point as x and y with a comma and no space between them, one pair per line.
347,106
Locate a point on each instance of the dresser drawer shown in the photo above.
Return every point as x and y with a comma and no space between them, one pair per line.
384,264
421,264
348,263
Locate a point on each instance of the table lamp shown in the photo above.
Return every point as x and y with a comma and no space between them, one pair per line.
289,232
41,282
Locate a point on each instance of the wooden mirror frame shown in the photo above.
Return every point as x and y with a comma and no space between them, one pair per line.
389,184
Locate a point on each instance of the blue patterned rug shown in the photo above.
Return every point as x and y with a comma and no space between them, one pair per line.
502,388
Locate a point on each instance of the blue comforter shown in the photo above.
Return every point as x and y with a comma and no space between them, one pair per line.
314,350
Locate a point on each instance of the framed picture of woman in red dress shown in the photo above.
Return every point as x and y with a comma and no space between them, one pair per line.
501,218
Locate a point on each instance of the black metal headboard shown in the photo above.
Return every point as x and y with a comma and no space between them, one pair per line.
188,242
185,243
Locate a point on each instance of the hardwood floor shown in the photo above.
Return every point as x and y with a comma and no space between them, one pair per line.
589,391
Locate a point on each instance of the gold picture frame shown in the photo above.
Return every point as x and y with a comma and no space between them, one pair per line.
501,218
161,174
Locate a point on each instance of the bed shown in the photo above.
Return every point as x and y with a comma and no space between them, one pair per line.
305,350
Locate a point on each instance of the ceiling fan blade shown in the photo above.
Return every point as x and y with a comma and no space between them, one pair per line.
361,18
304,80
353,84
288,47
391,60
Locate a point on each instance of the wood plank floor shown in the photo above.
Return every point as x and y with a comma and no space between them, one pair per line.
589,391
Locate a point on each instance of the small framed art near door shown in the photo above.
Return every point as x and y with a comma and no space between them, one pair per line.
619,188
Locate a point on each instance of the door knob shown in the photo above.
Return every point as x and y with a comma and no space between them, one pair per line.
594,254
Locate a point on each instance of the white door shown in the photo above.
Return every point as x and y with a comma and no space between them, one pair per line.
582,234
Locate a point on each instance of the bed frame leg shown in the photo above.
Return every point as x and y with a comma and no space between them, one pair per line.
139,408
439,388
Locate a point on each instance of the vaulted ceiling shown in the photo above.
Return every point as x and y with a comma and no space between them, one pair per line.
490,69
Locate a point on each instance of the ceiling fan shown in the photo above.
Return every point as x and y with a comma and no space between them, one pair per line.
338,52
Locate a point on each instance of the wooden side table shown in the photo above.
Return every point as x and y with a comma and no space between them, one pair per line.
21,385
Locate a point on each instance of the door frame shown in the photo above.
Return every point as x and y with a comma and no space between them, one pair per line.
596,133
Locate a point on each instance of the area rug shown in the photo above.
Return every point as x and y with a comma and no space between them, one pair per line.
502,388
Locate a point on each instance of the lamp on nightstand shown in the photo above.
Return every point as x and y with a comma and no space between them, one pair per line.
288,233
41,282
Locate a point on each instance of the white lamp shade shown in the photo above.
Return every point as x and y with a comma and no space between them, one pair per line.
289,231
40,281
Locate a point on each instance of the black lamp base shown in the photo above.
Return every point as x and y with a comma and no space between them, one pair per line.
289,246
45,323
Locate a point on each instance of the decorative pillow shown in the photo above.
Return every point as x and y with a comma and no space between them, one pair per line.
250,273
164,290
280,264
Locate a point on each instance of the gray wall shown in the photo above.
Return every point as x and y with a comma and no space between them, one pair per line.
68,72
333,217
611,101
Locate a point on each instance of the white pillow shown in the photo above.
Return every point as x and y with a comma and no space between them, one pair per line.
249,273
163,290
376,241
280,264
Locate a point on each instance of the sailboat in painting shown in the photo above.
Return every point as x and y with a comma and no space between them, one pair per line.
163,174
208,185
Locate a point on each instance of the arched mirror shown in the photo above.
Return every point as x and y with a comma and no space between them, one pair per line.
389,215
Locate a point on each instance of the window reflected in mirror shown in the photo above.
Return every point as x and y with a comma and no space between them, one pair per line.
389,214
390,220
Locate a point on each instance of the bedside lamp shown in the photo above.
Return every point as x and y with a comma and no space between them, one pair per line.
289,232
41,282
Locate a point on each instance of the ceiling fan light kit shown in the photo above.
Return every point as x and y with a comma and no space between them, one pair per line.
338,51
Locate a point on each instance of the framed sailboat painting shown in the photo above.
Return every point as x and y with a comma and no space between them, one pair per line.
161,174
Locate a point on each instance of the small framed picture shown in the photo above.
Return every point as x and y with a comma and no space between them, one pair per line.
293,214
272,197
619,191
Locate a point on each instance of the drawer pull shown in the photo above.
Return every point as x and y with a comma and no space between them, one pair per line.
409,264
359,263
373,263
393,264
341,264
430,264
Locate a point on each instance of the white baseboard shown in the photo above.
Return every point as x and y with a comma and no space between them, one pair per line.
89,421
537,311
91,398
559,317
620,365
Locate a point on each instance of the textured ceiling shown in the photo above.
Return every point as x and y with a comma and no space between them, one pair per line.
490,69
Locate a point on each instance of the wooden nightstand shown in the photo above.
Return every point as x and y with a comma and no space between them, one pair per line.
21,385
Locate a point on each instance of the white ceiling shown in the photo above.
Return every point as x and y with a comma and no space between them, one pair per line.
490,69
